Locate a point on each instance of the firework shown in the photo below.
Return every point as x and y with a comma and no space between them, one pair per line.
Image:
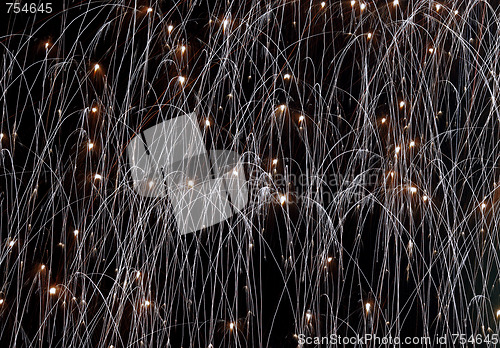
356,144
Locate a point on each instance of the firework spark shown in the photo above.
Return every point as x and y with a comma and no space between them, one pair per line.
369,139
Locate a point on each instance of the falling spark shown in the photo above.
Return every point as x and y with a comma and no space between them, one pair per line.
60,104
282,199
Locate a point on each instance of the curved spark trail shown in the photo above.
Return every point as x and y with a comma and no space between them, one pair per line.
369,137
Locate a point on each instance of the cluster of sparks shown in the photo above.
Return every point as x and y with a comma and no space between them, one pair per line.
370,136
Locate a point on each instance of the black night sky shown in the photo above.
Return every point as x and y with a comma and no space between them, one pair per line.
368,132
